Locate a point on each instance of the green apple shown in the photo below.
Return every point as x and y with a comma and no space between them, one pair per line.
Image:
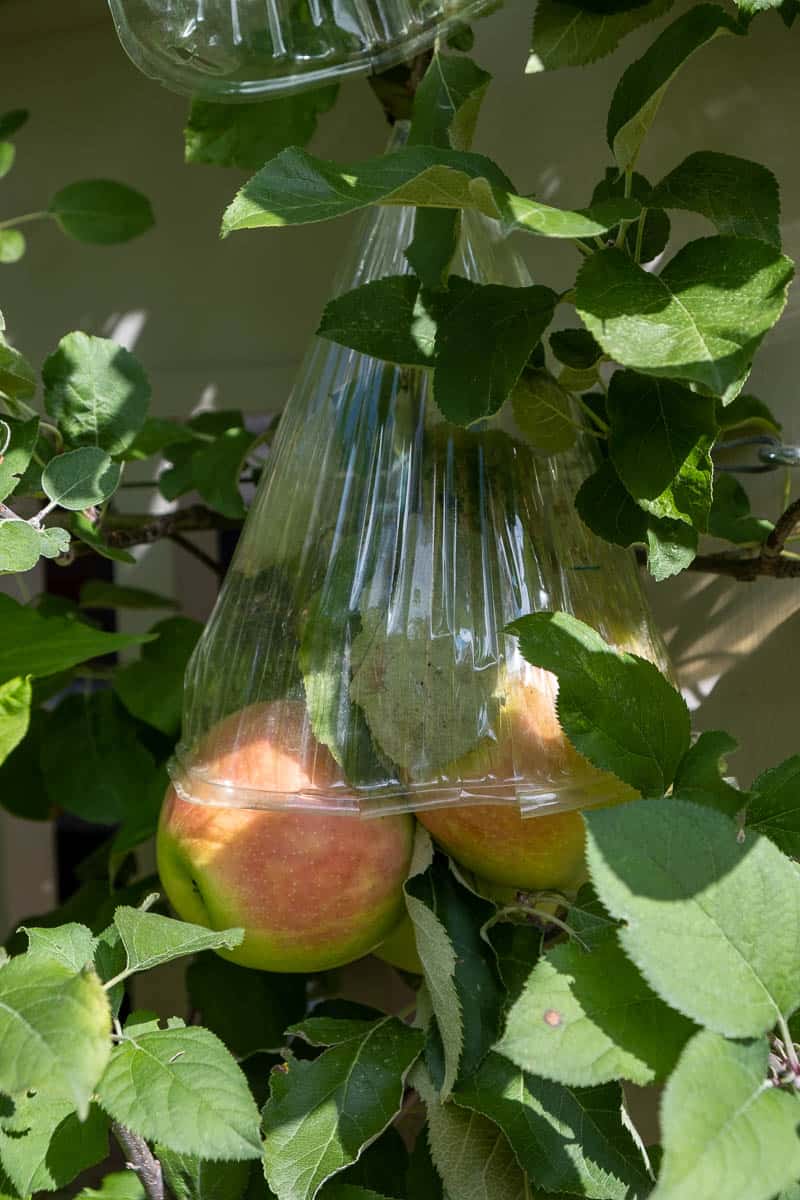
312,890
399,949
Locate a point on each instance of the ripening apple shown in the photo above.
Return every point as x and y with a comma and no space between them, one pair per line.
494,840
312,890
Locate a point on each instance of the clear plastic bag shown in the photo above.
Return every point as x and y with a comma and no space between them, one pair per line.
254,49
356,659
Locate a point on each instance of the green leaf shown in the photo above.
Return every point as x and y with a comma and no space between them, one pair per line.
422,1178
296,188
518,948
101,211
711,920
701,320
85,529
575,348
730,515
36,645
747,410
12,121
248,1010
246,135
542,411
736,1139
774,807
152,688
81,478
660,444
216,468
641,89
532,217
55,1029
400,678
605,505
22,788
101,593
433,246
385,318
73,944
656,224
109,767
96,391
322,1113
7,155
119,1185
15,713
737,196
617,709
586,1017
470,1153
20,546
150,940
12,245
347,1191
191,1178
447,103
569,34
43,1145
565,1140
53,541
19,450
459,966
483,344
155,435
17,376
181,1087
699,776
380,1171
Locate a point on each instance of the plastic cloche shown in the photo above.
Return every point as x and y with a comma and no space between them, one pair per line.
356,658
254,49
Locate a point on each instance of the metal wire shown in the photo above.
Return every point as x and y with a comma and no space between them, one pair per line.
771,455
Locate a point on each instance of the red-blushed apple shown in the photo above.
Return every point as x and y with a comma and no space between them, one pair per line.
495,841
312,890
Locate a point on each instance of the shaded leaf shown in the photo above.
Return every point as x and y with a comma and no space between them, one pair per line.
246,135
730,515
102,593
617,709
660,444
43,1145
542,411
81,478
699,776
739,197
701,320
152,687
37,645
566,1140
101,211
322,1113
216,468
17,377
641,89
86,531
249,1010
20,448
96,391
774,806
191,1178
385,318
572,34
447,102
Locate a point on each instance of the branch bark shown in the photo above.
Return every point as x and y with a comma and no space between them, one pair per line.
141,1159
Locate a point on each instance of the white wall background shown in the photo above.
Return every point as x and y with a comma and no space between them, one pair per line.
225,324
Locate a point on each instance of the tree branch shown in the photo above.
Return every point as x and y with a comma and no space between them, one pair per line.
124,531
197,553
141,1159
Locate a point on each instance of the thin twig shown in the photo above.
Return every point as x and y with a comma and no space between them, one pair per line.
197,553
785,526
141,1159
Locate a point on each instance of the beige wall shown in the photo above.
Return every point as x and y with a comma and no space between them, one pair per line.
225,323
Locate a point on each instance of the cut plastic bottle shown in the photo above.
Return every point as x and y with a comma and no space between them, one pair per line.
385,554
254,49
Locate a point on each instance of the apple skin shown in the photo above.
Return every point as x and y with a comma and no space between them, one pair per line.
494,840
311,890
399,949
